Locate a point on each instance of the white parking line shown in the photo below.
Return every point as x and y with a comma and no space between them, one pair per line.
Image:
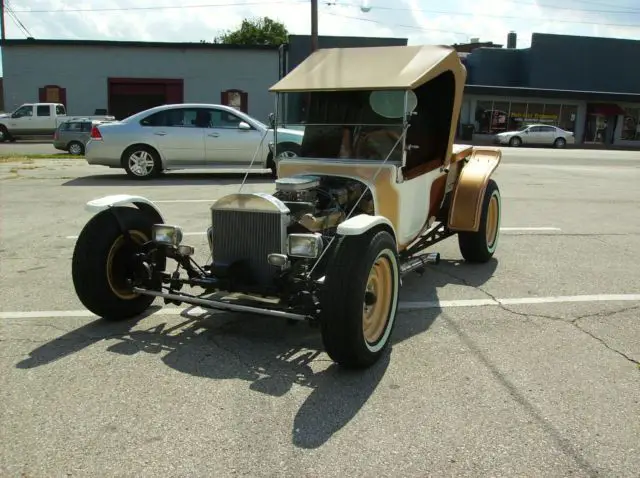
530,229
168,201
502,229
197,311
519,301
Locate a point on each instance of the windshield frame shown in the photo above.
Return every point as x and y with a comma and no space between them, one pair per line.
334,117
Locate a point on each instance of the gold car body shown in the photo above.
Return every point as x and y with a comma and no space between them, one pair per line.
407,194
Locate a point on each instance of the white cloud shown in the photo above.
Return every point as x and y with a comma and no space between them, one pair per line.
422,21
492,20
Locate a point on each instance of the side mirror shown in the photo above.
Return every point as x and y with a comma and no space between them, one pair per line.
243,126
272,120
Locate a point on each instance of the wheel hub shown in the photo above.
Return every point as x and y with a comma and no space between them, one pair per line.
370,298
287,155
119,264
140,163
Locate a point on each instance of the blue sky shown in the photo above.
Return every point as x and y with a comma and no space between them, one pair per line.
421,21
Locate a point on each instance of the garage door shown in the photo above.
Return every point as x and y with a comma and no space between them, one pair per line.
128,96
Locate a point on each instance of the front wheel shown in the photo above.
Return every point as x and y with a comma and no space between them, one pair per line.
103,261
361,299
480,246
515,142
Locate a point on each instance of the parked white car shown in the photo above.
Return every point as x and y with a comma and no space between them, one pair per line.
189,136
539,134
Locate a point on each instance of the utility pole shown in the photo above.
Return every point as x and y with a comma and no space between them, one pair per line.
2,19
314,25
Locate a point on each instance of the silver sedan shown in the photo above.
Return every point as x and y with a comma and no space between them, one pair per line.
188,136
536,134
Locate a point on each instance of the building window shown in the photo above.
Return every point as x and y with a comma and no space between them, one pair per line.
517,114
631,125
551,114
500,116
483,118
237,99
568,114
492,117
52,94
535,112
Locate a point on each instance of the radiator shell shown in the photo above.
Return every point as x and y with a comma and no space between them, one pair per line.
249,227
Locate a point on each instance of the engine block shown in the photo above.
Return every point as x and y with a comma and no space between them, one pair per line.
301,188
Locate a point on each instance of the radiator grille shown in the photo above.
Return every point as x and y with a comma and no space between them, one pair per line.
251,236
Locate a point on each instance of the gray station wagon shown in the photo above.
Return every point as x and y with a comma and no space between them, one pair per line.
72,135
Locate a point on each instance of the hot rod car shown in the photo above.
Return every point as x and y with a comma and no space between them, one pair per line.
378,181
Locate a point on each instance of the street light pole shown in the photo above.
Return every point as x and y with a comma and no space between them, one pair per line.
314,25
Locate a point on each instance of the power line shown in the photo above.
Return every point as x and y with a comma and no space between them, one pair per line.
9,10
536,3
627,10
601,4
512,17
300,2
520,2
391,25
162,7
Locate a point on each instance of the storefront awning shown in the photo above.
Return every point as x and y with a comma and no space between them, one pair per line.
605,109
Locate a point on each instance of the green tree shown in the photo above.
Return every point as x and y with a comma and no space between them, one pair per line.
258,31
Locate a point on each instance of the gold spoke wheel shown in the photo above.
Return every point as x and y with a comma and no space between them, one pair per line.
492,221
378,299
115,265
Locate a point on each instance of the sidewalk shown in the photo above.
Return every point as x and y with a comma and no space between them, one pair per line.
613,147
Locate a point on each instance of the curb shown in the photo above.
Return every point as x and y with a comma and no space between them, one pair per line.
587,147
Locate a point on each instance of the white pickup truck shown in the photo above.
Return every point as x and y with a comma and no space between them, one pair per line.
36,119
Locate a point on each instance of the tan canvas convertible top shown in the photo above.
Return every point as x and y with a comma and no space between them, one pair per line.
372,68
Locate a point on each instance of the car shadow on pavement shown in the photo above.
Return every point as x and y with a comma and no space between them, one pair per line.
176,179
81,338
271,355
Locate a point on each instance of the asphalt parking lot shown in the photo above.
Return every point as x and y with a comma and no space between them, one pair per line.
527,366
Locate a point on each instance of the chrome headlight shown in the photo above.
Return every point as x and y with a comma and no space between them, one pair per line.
304,245
167,235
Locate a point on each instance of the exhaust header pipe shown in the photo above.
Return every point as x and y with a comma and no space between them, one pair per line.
419,262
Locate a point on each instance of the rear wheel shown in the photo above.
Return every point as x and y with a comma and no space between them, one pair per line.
103,261
76,148
141,162
361,299
480,246
4,134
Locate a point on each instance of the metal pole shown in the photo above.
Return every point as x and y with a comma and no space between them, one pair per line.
314,25
4,35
